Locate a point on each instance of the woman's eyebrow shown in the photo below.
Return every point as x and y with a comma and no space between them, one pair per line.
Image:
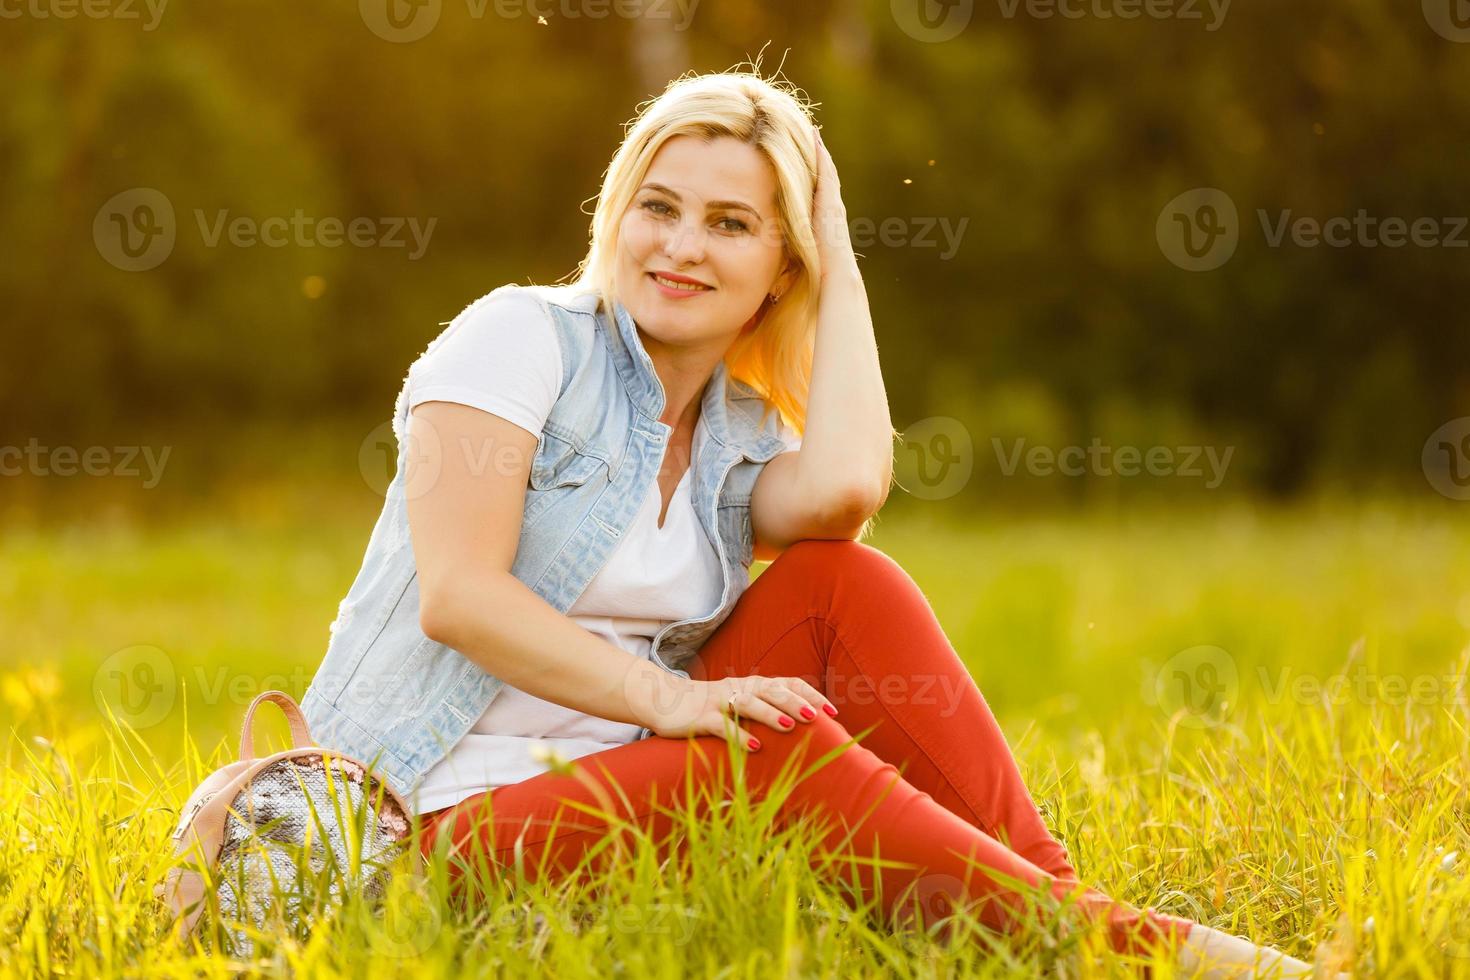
713,205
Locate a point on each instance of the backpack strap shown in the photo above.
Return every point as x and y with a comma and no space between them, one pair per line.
300,734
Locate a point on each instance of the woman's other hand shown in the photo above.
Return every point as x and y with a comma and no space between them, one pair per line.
829,214
718,707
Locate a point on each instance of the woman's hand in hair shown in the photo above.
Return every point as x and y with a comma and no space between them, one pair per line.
829,215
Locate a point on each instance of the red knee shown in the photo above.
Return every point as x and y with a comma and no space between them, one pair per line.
851,567
818,748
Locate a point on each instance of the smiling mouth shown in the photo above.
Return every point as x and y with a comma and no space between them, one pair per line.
685,286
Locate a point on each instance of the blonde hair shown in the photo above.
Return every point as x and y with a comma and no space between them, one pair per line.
770,115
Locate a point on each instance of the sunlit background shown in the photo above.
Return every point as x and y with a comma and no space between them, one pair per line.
230,227
1169,298
1128,264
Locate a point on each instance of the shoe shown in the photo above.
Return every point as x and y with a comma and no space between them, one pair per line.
1209,954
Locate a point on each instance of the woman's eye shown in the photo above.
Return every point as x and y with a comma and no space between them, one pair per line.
655,206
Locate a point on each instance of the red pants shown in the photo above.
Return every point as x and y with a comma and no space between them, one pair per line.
932,785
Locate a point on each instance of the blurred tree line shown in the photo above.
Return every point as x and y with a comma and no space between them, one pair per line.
1052,143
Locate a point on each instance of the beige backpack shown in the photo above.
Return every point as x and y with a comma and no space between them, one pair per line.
273,833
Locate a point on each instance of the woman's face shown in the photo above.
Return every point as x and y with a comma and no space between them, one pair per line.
705,212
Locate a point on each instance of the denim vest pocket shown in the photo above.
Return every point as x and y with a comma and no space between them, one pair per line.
735,527
734,508
556,468
558,464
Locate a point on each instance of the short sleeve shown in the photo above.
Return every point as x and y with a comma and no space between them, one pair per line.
501,355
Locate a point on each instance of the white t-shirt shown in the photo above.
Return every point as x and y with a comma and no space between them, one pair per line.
654,575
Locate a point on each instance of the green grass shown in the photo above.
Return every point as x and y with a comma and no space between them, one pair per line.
1257,719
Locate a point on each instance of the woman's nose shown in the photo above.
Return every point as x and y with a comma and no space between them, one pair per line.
684,244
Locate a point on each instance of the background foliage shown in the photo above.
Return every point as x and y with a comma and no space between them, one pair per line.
1055,140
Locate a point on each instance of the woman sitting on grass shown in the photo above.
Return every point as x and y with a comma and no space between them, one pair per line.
587,472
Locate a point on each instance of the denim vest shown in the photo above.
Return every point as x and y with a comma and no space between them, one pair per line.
387,694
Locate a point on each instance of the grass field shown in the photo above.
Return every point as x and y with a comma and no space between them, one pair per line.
1254,718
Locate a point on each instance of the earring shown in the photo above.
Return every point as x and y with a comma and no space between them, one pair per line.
773,298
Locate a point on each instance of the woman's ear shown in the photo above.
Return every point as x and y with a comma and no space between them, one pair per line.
787,277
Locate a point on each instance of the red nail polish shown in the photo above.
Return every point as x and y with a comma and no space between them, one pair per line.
807,712
830,710
754,743
786,722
